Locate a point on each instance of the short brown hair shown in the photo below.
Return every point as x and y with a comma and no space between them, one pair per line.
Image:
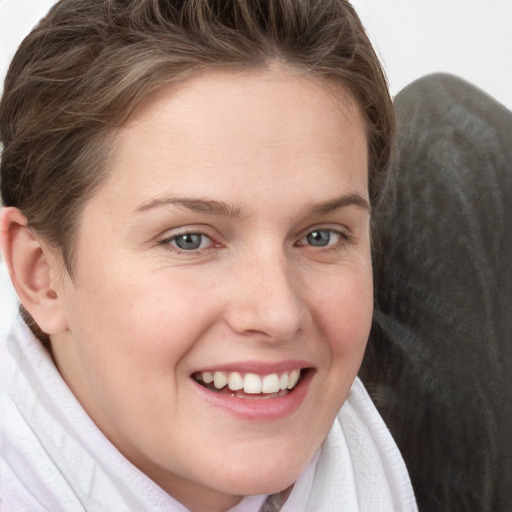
89,63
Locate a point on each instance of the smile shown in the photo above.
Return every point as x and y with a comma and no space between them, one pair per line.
249,385
253,391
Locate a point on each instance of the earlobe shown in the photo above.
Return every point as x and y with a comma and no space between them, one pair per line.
32,272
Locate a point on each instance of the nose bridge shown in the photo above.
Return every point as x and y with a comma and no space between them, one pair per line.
268,298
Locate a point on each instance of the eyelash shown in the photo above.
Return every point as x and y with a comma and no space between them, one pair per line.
344,238
168,242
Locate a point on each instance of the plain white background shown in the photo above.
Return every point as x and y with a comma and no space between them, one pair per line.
470,38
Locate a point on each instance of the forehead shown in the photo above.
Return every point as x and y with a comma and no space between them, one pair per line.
229,125
245,81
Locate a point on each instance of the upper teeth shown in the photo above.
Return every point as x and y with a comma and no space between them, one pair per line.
250,382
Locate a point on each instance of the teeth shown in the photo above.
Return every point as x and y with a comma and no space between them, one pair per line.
207,377
293,378
251,383
283,381
270,384
235,381
219,380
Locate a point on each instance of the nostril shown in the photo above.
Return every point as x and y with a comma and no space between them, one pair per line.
265,298
271,321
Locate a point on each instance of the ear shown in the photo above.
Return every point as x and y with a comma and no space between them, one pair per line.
33,270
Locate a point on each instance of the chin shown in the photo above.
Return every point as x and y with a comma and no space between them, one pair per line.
266,477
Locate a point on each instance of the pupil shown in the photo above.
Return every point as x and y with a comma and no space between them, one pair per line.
189,241
319,238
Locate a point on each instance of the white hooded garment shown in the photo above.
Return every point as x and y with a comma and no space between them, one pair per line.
53,458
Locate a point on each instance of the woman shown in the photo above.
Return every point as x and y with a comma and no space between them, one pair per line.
189,192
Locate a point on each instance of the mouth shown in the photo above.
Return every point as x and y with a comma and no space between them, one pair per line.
251,386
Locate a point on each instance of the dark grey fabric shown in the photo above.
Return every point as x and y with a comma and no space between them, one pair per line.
274,502
439,361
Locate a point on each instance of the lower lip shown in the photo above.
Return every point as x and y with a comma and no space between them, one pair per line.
259,409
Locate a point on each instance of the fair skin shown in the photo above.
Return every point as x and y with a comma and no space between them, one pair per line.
266,173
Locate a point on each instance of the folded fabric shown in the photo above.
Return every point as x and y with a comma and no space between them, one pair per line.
54,458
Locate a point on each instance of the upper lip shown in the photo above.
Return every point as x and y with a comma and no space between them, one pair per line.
257,367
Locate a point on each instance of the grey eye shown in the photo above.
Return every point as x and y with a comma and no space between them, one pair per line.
189,241
319,237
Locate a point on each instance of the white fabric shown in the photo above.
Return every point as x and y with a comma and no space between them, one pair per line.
53,458
8,300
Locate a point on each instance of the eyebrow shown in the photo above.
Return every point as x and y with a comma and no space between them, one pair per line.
353,199
220,208
197,205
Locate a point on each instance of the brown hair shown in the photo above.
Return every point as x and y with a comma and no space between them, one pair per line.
89,63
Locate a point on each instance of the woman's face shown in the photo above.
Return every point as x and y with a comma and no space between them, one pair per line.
231,241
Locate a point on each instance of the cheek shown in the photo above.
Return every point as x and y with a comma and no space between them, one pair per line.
128,336
143,323
346,312
170,307
344,315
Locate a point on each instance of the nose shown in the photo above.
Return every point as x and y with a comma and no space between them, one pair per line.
266,299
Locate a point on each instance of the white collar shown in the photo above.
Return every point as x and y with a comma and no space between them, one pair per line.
53,457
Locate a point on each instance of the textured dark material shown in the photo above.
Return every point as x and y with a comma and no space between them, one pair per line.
439,361
274,502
